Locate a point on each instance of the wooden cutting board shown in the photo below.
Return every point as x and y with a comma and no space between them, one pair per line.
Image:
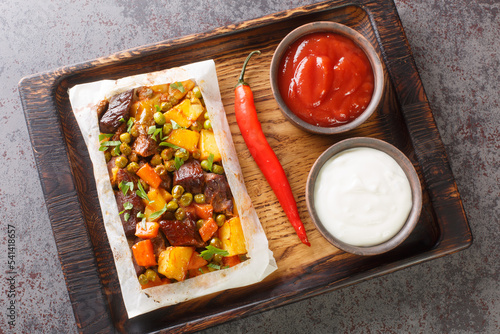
405,120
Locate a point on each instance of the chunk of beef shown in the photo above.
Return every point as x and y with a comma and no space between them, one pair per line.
138,206
166,181
101,108
138,269
122,175
181,233
144,145
121,129
190,176
119,108
218,193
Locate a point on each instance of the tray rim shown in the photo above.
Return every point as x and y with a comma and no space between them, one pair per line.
56,76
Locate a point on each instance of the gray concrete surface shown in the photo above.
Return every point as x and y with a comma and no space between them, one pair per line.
457,49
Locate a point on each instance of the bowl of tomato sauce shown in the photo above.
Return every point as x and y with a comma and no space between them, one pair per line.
326,77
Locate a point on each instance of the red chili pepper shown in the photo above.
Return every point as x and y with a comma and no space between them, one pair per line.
251,130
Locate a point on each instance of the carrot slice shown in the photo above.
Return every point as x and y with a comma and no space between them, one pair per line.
144,254
148,174
231,260
196,261
204,211
197,272
150,232
208,229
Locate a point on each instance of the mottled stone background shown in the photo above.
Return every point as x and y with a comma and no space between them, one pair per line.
456,47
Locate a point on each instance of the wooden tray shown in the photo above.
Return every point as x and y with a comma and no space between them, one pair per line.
405,120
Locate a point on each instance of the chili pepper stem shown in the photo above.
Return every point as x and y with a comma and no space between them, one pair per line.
241,80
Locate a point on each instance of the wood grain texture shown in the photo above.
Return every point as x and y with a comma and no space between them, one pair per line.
404,120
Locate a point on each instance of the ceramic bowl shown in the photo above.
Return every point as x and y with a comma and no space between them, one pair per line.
361,41
405,165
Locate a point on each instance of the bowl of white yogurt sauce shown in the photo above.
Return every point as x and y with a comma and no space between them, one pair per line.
364,196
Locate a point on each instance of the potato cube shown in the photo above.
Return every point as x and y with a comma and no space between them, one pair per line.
184,138
173,262
185,113
179,94
158,199
232,238
208,145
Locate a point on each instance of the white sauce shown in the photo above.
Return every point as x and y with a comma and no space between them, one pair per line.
362,196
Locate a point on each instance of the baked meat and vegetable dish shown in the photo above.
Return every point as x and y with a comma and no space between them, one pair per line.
173,197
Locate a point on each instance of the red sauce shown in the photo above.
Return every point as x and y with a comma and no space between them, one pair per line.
325,79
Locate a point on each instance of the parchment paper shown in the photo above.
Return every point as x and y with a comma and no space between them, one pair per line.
83,99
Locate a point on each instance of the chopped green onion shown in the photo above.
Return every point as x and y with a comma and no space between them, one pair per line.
178,85
175,125
213,266
141,193
210,161
126,206
158,131
126,216
130,123
105,135
158,108
169,145
211,251
151,129
158,214
125,186
178,163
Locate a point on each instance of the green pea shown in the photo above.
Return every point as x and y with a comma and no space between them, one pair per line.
173,100
134,131
180,214
156,160
167,128
206,116
166,106
220,220
199,198
159,118
143,279
197,154
167,154
200,223
177,191
133,167
217,258
160,169
125,148
125,137
115,152
215,242
172,206
218,169
121,162
196,126
151,275
107,156
186,199
170,165
133,157
197,92
205,165
182,154
207,125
